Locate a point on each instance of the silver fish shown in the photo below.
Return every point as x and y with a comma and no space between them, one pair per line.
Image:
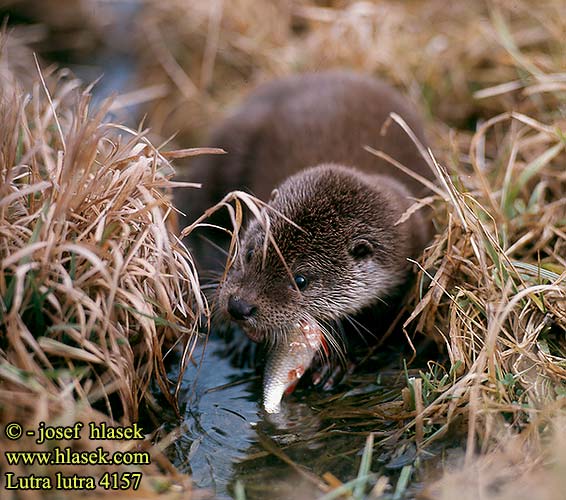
288,361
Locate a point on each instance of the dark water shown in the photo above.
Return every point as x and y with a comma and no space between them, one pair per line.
226,437
220,412
103,50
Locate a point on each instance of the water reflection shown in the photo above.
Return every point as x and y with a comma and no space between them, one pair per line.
221,412
227,437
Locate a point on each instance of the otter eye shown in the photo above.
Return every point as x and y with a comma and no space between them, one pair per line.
249,255
361,249
301,281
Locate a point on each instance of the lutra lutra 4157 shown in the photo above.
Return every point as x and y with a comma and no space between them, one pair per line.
335,209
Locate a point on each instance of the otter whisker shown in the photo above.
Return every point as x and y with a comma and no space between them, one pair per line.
335,345
382,300
210,286
358,327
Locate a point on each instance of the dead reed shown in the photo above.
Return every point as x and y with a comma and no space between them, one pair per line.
94,285
440,54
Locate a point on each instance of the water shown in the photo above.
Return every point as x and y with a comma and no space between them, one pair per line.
226,437
221,412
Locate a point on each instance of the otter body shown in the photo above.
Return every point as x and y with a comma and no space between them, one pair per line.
333,215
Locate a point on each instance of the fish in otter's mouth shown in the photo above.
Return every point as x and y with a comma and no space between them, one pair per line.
287,362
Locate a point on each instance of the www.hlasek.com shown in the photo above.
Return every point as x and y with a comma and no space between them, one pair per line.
65,455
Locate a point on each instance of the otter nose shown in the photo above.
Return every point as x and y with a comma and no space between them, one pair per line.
239,308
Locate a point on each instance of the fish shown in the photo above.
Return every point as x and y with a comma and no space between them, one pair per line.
288,361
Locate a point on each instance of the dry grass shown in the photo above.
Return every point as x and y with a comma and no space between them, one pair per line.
497,293
94,286
517,470
67,27
438,53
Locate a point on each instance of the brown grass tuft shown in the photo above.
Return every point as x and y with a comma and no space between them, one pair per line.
94,285
90,273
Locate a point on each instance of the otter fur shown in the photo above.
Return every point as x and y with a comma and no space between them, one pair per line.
335,245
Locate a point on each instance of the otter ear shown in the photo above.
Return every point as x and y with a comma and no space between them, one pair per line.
361,249
274,195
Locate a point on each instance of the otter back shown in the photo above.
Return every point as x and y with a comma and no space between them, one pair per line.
297,122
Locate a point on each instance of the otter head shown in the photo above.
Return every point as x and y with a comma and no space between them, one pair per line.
333,247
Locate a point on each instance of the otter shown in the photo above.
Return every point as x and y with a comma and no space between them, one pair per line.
334,242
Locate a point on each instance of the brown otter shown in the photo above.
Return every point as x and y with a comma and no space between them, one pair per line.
333,214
